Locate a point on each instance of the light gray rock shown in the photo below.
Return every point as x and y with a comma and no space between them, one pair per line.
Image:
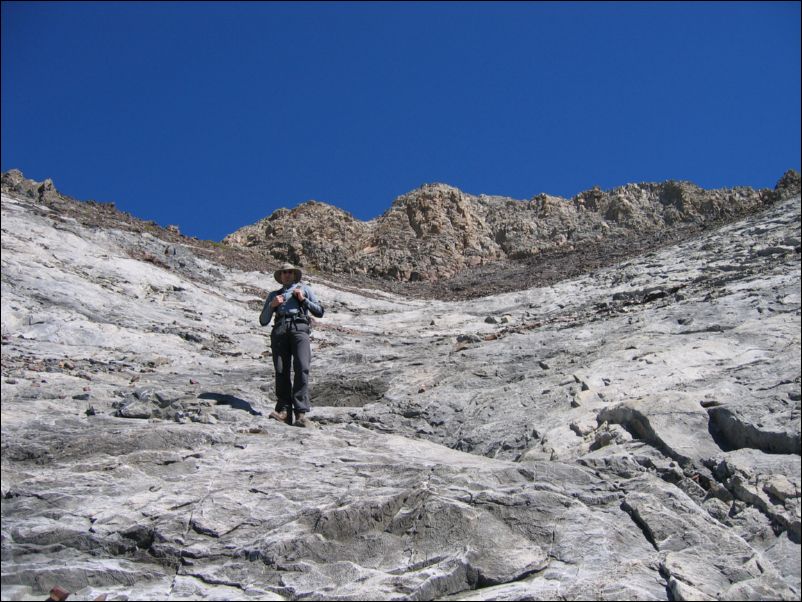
448,462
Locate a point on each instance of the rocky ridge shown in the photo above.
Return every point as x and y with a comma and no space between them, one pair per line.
632,432
437,231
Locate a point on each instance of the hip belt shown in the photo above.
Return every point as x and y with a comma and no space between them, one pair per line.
291,318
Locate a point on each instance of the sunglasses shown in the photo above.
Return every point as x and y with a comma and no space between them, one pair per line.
287,271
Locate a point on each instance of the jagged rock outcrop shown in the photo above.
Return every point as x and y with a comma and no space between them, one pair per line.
14,181
438,231
312,229
630,433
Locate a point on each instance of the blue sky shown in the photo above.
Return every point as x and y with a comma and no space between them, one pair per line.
212,115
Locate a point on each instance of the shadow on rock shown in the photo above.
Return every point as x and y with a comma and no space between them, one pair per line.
230,400
344,392
731,432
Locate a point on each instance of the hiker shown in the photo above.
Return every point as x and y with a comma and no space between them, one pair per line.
290,307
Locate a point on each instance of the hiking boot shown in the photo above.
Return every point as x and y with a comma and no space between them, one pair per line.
280,416
301,420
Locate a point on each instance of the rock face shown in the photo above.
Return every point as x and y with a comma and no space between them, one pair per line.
629,433
438,231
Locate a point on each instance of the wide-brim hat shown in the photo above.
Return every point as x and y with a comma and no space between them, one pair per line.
287,266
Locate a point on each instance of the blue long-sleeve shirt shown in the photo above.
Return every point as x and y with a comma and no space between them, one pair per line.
291,306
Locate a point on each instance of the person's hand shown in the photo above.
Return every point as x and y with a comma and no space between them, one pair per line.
298,293
277,300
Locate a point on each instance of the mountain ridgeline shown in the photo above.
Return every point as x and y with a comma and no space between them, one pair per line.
437,241
437,231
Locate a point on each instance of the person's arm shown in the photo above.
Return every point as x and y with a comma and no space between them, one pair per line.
267,310
311,304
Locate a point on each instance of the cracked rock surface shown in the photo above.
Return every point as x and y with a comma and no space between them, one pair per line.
632,433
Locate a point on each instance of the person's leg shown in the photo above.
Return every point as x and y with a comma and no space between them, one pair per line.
280,345
302,358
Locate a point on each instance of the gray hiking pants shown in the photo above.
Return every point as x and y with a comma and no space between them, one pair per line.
289,342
